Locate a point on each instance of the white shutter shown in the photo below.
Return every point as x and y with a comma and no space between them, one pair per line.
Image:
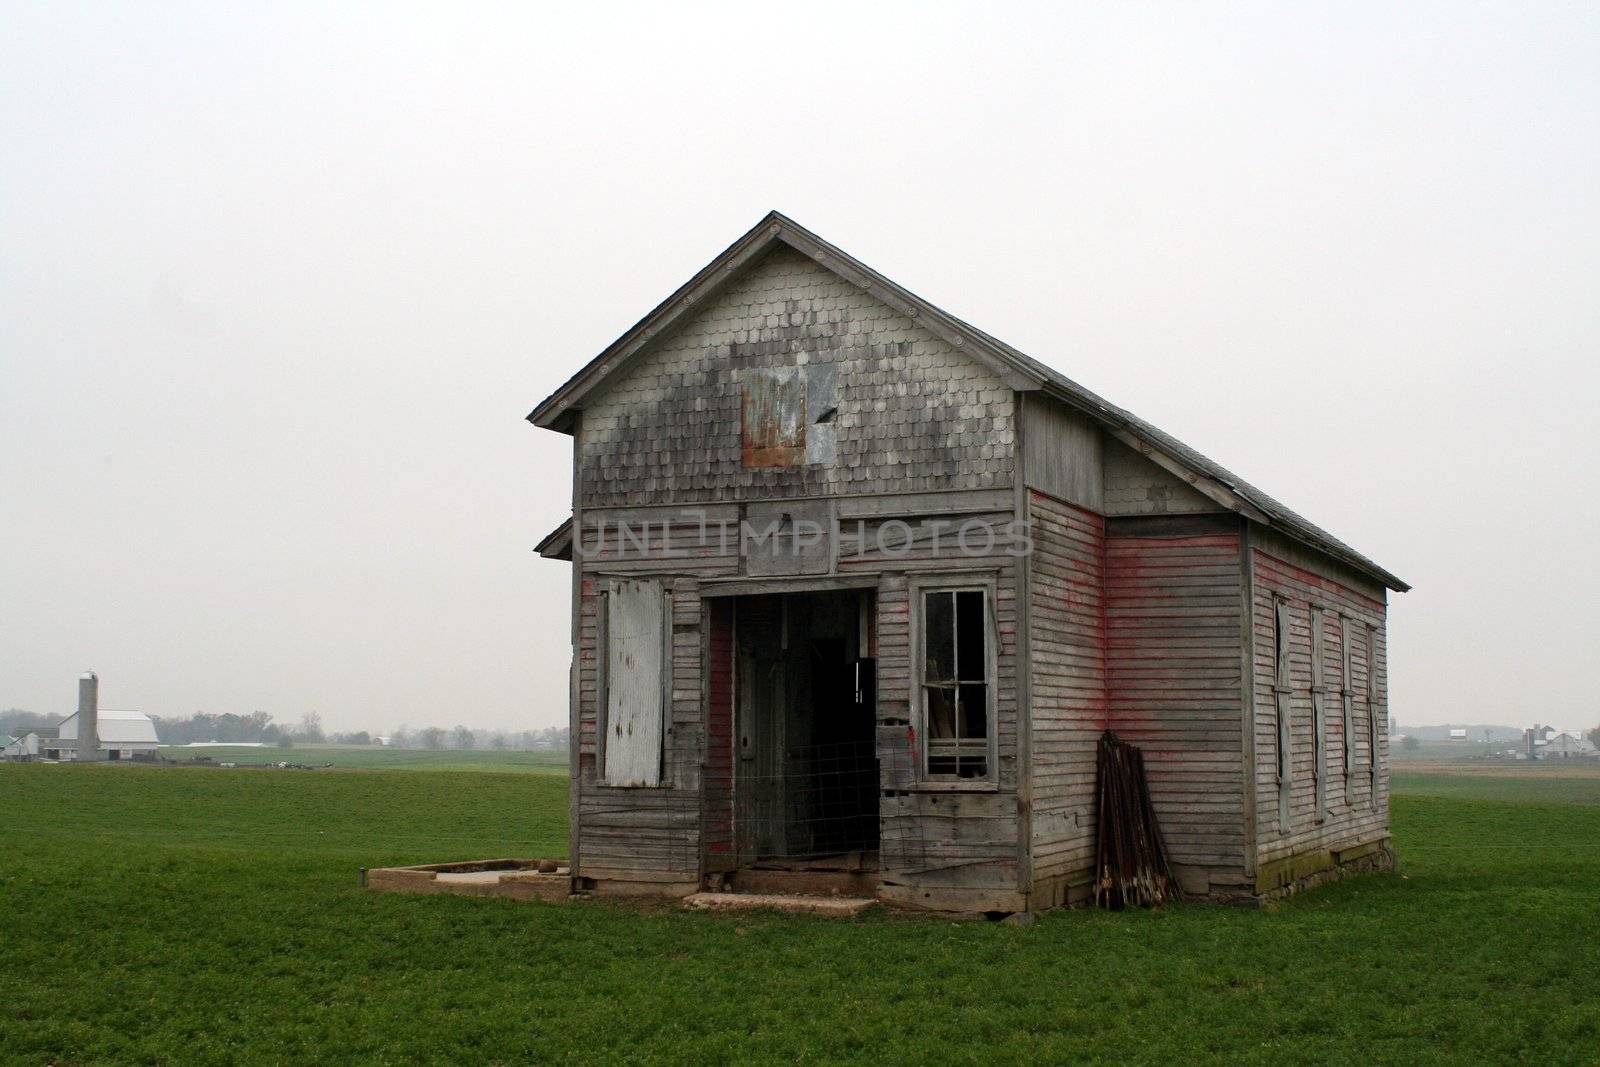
635,682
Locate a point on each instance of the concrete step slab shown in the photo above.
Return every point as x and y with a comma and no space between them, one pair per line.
835,907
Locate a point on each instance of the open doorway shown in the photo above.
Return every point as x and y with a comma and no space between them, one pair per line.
800,743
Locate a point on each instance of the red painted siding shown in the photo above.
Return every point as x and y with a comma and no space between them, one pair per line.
1175,677
1069,682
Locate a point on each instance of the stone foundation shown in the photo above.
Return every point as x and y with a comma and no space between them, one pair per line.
1311,869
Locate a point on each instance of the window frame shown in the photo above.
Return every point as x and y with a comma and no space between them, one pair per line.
919,589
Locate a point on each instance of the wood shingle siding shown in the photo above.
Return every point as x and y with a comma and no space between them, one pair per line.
913,412
1136,486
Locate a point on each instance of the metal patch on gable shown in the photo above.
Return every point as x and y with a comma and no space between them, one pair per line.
822,409
773,417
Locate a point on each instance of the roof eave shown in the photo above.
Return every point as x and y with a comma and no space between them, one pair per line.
1219,490
557,544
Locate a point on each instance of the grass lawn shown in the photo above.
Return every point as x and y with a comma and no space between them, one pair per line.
199,915
376,757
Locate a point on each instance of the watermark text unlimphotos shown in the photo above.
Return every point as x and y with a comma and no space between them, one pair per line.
693,532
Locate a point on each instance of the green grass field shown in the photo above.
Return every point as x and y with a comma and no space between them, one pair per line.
201,915
374,758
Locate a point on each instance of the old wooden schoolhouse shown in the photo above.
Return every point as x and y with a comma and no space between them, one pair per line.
857,587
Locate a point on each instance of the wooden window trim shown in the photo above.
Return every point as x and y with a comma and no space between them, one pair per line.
918,588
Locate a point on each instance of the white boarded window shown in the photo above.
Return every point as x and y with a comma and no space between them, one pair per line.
1373,737
1319,710
636,682
1283,697
1347,723
1281,683
956,679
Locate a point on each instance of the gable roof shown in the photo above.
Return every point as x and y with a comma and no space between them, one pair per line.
115,727
1017,369
557,544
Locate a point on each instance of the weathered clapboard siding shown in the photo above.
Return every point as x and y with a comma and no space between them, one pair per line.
640,835
641,541
1068,665
643,834
960,542
1062,455
718,781
1174,678
933,837
950,840
1355,812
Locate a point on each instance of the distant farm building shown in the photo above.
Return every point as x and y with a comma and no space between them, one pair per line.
1566,746
93,733
20,747
1458,733
857,587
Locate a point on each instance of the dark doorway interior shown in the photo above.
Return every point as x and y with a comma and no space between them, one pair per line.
806,774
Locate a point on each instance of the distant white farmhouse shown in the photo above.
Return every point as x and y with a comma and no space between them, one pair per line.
1567,746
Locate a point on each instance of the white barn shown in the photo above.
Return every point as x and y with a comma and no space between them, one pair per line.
123,735
92,734
1567,746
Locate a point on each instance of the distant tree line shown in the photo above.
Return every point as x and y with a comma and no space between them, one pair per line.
462,737
16,722
227,726
258,726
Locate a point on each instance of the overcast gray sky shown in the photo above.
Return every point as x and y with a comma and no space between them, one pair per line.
278,284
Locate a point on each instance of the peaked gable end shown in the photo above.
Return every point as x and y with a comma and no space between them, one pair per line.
794,381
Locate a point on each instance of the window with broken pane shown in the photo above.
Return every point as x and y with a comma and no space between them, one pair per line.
955,682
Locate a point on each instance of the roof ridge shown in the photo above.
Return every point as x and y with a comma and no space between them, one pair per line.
1020,370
